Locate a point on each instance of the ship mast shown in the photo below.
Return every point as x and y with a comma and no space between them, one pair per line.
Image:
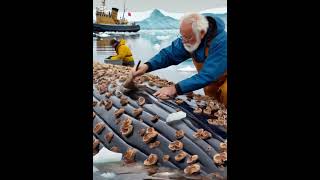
103,3
124,9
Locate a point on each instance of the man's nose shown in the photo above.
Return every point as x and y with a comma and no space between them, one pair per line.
184,40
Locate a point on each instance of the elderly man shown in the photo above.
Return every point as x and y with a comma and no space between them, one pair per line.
203,39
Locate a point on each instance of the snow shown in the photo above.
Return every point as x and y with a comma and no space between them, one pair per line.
176,116
122,33
104,155
108,175
102,35
187,69
156,47
161,38
95,169
222,10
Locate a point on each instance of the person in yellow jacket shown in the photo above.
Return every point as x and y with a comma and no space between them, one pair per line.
123,52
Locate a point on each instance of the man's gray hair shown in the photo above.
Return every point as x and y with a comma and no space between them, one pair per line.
198,21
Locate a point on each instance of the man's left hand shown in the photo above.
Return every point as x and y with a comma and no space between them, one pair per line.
166,92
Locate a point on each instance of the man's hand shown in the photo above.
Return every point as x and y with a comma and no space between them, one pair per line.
141,70
166,92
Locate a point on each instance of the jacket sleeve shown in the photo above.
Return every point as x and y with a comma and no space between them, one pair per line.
171,55
214,67
122,52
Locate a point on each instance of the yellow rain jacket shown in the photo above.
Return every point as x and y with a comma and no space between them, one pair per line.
123,52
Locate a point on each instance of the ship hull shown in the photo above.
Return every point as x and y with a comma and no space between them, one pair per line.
115,28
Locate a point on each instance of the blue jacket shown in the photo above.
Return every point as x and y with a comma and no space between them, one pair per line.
214,65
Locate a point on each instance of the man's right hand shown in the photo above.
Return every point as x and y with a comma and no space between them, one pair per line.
141,70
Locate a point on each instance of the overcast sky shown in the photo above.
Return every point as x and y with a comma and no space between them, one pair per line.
167,5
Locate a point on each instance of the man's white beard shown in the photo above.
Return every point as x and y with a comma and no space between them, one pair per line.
190,48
